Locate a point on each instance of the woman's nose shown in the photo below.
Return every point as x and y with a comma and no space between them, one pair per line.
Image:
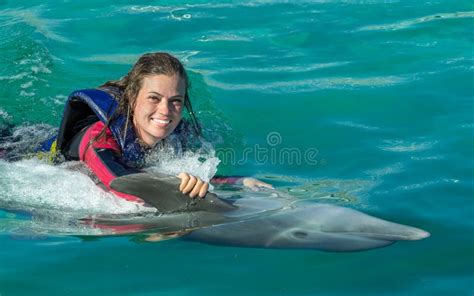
163,107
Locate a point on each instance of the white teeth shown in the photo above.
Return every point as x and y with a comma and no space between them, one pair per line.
161,121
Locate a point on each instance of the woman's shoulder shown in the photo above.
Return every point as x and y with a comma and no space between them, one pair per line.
102,136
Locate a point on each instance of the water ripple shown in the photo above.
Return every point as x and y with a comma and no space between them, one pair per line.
309,85
425,184
31,17
131,58
404,146
409,23
4,115
287,69
426,158
388,170
357,125
223,37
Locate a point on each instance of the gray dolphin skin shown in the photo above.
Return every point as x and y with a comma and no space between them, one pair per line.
315,226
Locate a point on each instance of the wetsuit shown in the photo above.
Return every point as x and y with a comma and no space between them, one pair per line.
115,154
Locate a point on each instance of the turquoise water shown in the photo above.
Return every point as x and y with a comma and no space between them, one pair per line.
380,91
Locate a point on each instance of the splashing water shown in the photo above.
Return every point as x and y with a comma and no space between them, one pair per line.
33,184
171,158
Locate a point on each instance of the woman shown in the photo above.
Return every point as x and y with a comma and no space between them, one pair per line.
112,128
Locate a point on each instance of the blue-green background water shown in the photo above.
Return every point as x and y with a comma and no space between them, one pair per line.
382,89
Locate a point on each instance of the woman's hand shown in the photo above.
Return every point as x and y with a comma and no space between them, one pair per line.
255,184
192,185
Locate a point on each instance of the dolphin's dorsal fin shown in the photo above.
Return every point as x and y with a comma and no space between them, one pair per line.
161,191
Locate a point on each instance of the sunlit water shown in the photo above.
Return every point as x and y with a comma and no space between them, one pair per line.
365,104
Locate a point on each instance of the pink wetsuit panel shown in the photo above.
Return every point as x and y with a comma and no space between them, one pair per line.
88,154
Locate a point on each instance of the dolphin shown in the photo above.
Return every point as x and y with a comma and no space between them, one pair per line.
320,226
213,220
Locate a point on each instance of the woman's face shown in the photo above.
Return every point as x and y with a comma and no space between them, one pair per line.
158,107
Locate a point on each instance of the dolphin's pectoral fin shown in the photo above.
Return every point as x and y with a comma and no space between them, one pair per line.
161,191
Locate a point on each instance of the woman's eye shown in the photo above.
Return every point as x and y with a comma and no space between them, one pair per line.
154,98
177,103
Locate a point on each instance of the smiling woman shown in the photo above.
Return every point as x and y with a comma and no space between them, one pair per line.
158,106
112,128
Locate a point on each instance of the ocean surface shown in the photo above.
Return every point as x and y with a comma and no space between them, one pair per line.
364,104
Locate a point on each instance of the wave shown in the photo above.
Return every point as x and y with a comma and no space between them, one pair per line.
357,125
4,116
411,22
223,37
131,58
287,69
14,77
425,184
426,158
179,13
309,85
468,126
250,4
32,67
31,17
388,170
404,146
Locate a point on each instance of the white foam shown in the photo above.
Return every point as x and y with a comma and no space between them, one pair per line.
405,146
309,85
32,69
388,170
40,68
223,37
32,184
14,77
127,59
411,22
179,13
456,60
287,69
131,58
26,94
27,84
468,125
425,184
179,17
143,9
4,115
357,125
413,43
199,164
425,158
59,99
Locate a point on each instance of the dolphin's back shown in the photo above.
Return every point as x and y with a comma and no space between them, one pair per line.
161,191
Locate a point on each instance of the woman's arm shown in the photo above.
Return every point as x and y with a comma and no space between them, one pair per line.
103,158
240,180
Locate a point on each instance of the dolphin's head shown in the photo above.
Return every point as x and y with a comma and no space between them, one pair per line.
322,227
332,228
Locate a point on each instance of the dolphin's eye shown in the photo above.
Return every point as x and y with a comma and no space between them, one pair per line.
300,234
